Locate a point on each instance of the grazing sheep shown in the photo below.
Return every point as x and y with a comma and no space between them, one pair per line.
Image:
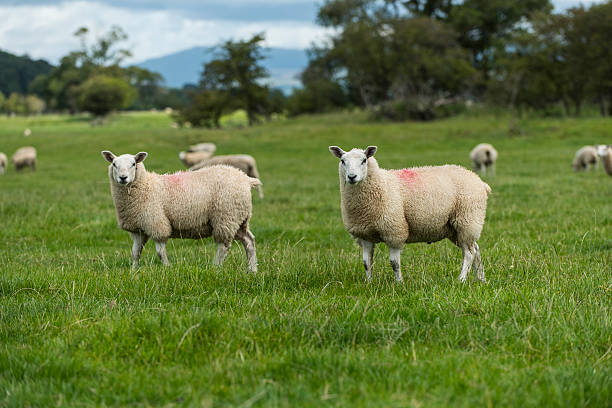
605,152
243,162
3,163
213,201
24,157
420,204
483,157
203,147
193,158
27,132
585,156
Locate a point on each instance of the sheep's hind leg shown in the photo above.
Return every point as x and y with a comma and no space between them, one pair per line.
468,258
248,241
139,242
222,250
368,258
395,259
477,265
160,248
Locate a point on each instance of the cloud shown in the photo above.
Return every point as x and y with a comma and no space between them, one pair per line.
45,31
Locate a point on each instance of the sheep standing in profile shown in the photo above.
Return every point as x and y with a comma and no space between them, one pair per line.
3,163
243,162
215,202
483,158
193,158
24,157
585,158
203,147
421,204
605,152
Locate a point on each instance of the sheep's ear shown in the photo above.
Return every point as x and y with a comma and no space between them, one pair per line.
370,150
108,155
336,151
139,157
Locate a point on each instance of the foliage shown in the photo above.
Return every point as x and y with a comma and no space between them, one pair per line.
16,73
62,86
79,328
102,94
22,104
232,80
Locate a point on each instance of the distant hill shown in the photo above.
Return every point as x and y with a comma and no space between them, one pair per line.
16,72
185,67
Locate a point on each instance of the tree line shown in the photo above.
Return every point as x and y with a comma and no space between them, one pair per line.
420,58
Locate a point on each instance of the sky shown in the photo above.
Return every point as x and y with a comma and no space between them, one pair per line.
43,29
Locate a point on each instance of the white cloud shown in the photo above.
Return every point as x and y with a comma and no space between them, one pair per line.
47,31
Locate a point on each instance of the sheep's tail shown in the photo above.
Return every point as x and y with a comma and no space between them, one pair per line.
254,182
487,188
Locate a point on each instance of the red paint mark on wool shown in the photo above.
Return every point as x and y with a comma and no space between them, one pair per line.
406,175
177,179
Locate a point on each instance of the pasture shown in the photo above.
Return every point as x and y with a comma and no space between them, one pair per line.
78,327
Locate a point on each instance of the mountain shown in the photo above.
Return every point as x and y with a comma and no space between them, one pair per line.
16,72
185,67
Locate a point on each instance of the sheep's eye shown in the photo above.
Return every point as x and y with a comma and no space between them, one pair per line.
342,161
133,164
364,160
114,165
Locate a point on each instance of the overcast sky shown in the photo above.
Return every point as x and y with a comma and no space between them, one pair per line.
43,29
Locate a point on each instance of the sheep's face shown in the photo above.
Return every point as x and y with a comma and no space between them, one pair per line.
124,166
602,150
354,164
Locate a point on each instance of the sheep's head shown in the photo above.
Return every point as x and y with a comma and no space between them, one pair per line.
124,166
353,164
603,150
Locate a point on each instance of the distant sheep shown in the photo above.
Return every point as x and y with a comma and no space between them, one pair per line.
24,157
215,202
203,147
605,152
3,163
243,162
27,132
193,158
584,158
420,204
483,158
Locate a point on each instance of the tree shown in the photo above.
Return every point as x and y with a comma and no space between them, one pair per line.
236,72
2,101
102,94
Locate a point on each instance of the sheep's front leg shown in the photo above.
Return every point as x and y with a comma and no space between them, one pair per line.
468,258
222,250
395,259
493,170
368,258
160,247
139,241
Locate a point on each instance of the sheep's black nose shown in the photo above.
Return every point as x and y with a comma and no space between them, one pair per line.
352,177
123,178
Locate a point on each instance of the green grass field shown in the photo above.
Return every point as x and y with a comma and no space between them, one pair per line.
79,328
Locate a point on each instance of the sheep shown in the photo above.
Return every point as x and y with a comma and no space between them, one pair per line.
483,157
24,157
605,152
243,162
193,158
27,132
215,201
203,147
420,204
585,156
3,163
